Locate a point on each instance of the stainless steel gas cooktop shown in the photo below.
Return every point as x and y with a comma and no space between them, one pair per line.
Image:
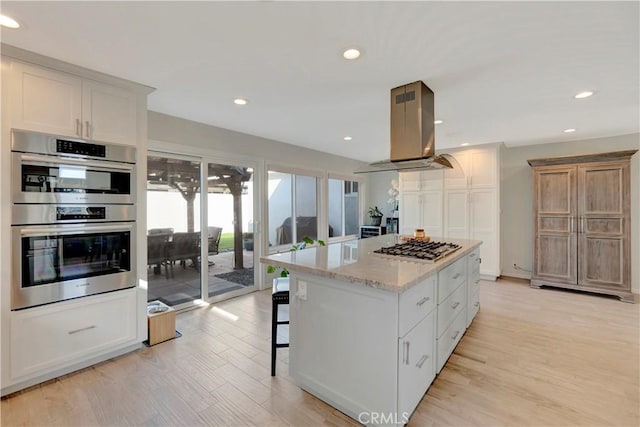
426,251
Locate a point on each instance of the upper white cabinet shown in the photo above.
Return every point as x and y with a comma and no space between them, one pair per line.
49,101
463,202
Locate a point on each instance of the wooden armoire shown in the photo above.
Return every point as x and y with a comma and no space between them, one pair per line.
582,223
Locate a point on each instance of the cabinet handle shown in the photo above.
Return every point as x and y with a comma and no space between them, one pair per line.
582,224
571,221
477,281
456,276
422,301
78,127
81,329
421,361
477,304
406,352
455,305
88,129
453,338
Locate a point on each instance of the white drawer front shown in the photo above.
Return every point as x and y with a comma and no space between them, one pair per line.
416,364
455,304
51,337
450,278
416,302
449,339
473,260
473,307
474,285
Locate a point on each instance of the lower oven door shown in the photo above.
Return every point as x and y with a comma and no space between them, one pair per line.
60,262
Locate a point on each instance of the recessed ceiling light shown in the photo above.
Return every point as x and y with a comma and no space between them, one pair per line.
569,130
437,122
585,94
351,53
347,138
240,101
8,22
464,144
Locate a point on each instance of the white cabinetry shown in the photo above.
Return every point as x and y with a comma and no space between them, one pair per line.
420,202
49,101
416,369
462,203
58,335
473,284
452,309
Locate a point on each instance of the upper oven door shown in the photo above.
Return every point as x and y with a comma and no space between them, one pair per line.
57,179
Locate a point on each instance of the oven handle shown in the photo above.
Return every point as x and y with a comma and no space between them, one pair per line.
82,229
46,160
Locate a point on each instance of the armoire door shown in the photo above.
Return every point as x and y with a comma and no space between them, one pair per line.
556,209
603,231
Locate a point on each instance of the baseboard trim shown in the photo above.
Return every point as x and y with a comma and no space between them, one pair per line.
67,370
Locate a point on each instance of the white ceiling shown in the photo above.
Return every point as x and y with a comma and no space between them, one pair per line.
501,71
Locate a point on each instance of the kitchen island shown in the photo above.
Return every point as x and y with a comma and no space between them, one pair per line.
369,332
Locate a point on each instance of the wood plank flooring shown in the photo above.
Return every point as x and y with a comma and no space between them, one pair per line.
532,357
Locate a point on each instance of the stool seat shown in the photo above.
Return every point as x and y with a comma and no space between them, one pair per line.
280,284
279,295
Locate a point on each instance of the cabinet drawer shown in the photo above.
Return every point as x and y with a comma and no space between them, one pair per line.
474,285
416,364
53,336
473,261
473,307
455,304
415,303
450,278
449,339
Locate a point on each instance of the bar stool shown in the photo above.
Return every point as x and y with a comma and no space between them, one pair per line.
279,295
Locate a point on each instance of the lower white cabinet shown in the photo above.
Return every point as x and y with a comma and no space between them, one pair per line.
473,280
58,335
416,364
447,342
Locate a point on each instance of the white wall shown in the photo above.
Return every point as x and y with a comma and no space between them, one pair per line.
517,198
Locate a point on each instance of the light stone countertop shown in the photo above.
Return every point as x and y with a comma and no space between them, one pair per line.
353,261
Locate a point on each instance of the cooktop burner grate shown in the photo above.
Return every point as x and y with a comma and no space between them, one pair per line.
428,251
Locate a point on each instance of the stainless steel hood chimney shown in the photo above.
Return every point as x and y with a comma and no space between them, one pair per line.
412,132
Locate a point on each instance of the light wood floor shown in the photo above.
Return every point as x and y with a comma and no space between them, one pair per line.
531,358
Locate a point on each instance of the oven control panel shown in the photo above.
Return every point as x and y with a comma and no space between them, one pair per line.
83,148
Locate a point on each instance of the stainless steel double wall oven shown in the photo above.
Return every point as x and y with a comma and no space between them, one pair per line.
73,218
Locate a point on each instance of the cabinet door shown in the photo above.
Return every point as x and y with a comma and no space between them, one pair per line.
410,210
603,242
555,203
483,168
432,213
410,181
109,114
457,177
416,359
456,210
45,101
483,225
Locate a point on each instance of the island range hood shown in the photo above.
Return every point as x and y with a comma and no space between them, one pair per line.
412,132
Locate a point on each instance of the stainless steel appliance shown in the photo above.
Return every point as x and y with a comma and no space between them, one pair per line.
54,169
425,251
69,251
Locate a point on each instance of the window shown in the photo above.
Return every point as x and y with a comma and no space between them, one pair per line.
293,207
344,207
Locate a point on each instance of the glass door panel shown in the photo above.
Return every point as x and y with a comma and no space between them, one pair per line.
173,229
230,197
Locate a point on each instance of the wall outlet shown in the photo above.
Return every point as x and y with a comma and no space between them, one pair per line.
302,290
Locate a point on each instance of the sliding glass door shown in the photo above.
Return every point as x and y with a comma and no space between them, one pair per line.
199,252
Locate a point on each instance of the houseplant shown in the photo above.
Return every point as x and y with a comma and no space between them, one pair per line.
305,241
375,215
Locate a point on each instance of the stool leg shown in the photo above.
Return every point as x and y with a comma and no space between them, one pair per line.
274,332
